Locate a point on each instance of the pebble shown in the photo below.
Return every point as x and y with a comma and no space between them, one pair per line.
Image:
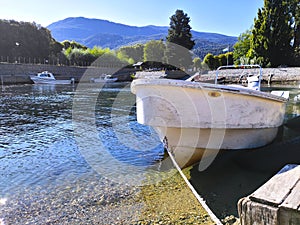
92,201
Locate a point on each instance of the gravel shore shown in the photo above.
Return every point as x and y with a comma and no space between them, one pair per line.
100,201
89,200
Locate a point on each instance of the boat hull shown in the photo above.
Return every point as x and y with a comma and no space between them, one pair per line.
52,82
42,80
99,80
189,144
193,117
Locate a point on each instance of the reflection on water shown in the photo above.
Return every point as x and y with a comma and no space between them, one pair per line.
116,123
37,146
35,126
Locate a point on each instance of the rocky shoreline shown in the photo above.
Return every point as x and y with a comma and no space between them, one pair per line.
269,75
282,74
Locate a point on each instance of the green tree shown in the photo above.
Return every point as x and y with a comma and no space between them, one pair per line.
179,40
214,61
98,51
135,52
224,59
211,61
242,48
180,31
197,63
73,44
28,41
295,11
154,51
80,57
110,59
273,33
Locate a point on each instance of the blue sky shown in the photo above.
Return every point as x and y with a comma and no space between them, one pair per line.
230,17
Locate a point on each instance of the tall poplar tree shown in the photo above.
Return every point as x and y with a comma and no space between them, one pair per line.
273,33
179,40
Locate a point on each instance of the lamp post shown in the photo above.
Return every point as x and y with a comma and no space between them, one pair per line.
17,46
226,50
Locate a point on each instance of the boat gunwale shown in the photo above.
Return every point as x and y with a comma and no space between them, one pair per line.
201,85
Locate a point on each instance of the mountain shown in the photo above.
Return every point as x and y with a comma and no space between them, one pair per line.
104,33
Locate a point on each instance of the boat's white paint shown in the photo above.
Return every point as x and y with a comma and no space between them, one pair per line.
195,116
176,103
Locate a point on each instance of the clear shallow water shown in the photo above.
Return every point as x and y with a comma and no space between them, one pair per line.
37,144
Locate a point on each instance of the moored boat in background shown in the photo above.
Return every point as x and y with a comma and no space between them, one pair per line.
104,78
46,77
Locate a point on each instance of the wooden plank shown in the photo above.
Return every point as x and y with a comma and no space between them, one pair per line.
276,190
256,213
293,199
288,216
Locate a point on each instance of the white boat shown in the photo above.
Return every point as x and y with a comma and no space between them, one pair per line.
195,119
46,77
104,78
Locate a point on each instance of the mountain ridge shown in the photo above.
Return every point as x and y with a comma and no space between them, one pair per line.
104,33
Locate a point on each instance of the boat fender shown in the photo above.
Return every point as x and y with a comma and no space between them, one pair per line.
214,94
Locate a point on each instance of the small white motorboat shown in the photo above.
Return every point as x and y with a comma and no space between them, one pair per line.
46,77
104,78
196,119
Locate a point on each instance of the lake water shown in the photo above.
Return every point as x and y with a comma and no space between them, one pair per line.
59,144
44,155
37,143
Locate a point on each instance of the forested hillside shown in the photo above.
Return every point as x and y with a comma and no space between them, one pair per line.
24,41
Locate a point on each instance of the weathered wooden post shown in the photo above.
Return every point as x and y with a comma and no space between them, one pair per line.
277,202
